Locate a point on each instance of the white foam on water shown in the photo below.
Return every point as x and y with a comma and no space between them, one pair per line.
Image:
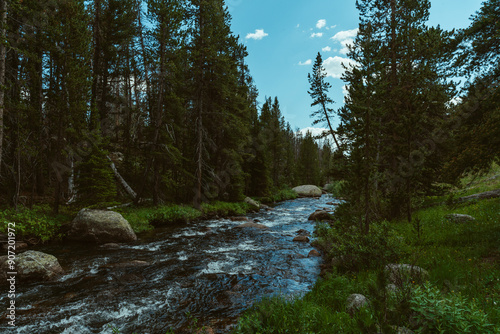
217,267
151,247
188,233
74,273
94,267
243,246
182,256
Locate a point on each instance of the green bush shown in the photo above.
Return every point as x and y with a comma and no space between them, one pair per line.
335,188
35,222
95,180
224,209
436,313
172,214
352,250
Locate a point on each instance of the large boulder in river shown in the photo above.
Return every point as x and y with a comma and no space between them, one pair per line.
320,215
101,227
308,191
32,266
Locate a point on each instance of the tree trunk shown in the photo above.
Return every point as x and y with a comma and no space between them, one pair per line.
122,181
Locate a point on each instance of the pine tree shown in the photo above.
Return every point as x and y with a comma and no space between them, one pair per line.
397,97
308,162
95,181
318,91
220,104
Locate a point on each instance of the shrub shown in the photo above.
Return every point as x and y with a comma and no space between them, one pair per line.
224,209
352,250
95,180
435,313
33,222
335,188
172,214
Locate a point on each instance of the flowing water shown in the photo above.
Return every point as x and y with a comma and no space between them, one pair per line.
208,270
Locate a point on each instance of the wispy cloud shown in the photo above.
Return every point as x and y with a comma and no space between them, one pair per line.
316,34
321,24
307,62
326,49
257,35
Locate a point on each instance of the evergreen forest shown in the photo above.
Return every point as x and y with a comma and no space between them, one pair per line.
159,89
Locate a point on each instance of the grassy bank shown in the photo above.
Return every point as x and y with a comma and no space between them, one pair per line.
41,225
462,294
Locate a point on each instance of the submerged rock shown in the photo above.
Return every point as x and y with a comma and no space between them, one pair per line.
32,266
252,225
308,191
101,227
238,219
301,238
313,253
304,232
320,215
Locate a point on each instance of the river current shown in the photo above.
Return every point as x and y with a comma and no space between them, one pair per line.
206,270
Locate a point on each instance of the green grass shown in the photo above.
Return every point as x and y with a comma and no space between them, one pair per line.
279,196
224,209
37,222
310,314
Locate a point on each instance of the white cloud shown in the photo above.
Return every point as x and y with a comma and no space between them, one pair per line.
345,38
346,34
333,66
316,34
257,35
298,25
321,24
307,62
345,44
326,49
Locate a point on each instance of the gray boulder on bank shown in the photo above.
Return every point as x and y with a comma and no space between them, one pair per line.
32,266
253,204
459,218
308,191
398,274
101,227
355,302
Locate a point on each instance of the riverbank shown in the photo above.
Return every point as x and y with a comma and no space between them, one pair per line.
461,293
39,225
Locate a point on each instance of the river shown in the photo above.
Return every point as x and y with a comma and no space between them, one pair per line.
206,270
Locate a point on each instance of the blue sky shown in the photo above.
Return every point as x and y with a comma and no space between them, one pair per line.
284,36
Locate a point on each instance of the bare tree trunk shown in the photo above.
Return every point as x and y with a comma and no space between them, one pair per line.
331,128
3,23
122,181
